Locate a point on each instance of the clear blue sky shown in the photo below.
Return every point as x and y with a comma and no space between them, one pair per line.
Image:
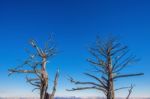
75,24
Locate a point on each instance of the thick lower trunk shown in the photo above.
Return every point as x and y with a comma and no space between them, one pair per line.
43,91
110,94
44,80
110,91
48,96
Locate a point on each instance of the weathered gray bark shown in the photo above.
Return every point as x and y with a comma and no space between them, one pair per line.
38,63
52,94
108,58
110,90
44,80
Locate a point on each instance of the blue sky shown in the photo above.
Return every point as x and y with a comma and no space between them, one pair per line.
75,24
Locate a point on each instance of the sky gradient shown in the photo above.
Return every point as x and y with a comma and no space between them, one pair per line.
75,24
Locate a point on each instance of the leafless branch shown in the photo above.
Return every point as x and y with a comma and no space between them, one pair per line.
84,88
128,75
121,88
11,71
130,91
83,83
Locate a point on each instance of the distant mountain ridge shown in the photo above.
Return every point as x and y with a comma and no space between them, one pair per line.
70,98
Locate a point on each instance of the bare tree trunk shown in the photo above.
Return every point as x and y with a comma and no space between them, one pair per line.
110,94
44,80
43,91
51,95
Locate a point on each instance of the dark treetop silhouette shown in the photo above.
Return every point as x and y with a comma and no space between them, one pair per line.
37,63
109,58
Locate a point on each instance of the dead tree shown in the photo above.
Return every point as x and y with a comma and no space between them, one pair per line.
36,64
109,58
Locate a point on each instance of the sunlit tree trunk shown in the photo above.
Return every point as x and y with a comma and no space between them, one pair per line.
44,80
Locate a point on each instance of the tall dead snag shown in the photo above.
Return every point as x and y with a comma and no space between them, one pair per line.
36,64
109,58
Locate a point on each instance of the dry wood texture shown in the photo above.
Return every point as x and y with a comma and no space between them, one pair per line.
109,58
37,64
